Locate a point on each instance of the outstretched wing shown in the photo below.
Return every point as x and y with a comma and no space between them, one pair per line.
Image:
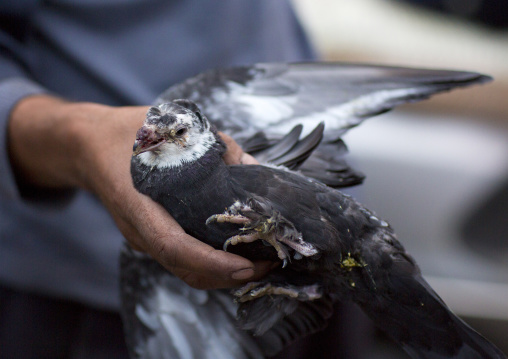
275,97
326,163
165,318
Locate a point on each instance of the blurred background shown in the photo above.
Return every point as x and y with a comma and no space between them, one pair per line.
437,170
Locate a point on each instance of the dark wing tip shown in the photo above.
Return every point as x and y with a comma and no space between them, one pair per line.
286,151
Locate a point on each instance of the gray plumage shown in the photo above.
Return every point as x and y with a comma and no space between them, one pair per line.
335,248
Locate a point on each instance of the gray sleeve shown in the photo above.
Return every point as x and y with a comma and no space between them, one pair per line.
16,83
12,90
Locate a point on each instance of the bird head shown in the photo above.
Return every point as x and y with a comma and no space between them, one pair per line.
173,133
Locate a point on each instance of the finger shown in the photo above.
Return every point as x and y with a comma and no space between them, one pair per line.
199,274
247,159
199,281
233,155
167,242
205,278
189,254
195,262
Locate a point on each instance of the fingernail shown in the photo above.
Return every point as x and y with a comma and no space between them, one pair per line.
243,274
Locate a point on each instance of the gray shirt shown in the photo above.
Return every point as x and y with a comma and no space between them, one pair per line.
116,52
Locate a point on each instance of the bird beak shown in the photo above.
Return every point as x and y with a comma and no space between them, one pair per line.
147,139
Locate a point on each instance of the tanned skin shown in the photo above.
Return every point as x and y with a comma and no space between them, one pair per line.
55,144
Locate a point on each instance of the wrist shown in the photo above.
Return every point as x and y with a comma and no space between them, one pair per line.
84,128
45,140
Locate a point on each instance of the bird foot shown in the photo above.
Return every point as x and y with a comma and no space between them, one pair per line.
254,290
228,218
269,238
262,222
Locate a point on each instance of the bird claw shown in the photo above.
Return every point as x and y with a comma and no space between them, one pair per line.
254,236
241,238
254,290
299,245
268,225
228,218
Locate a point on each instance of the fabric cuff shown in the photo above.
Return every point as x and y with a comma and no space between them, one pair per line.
12,90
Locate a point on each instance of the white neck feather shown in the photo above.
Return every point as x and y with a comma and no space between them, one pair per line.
171,155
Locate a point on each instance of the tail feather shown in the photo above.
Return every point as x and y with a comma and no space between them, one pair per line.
418,319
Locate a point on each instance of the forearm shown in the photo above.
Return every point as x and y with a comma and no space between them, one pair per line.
56,144
40,143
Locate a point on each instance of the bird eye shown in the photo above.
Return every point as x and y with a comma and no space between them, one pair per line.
181,132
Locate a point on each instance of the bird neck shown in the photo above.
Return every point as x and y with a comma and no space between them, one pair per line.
188,176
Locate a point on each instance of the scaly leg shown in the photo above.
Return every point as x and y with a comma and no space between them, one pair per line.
254,290
229,218
262,222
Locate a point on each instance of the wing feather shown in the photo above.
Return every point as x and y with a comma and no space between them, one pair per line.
275,97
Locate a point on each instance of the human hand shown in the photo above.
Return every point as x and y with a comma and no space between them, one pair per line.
234,154
59,144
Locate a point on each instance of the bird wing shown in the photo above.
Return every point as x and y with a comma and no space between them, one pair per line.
323,161
389,287
275,97
165,318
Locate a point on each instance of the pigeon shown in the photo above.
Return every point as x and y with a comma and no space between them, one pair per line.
331,248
